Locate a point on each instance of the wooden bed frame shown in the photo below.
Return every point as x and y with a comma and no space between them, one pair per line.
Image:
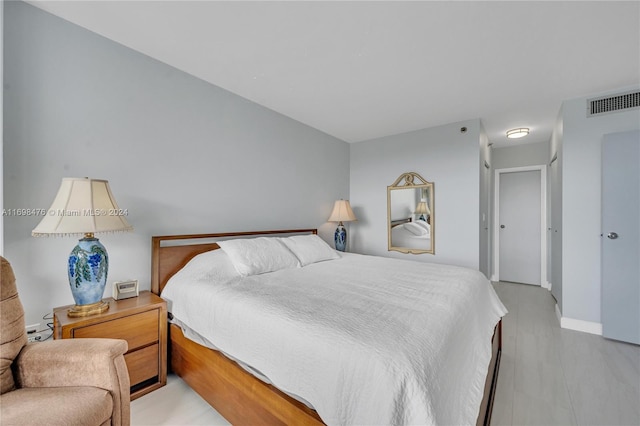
397,222
237,395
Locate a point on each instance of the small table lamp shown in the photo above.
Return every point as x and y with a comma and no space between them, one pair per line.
341,213
85,206
422,209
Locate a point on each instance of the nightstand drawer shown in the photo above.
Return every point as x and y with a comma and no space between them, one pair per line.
141,321
142,364
138,330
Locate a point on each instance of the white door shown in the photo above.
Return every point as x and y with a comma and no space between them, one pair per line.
519,227
621,236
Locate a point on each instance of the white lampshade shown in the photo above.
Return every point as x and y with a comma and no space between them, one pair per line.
422,208
82,206
342,212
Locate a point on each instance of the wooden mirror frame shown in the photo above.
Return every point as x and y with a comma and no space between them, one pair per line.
408,181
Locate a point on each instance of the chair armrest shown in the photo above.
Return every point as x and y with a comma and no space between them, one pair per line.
71,362
78,362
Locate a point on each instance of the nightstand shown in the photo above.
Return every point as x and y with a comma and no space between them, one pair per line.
141,321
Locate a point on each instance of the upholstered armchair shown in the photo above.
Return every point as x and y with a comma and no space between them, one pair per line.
63,382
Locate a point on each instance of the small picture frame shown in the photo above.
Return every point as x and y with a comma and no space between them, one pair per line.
125,289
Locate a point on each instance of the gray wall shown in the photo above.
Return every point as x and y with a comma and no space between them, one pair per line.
181,155
486,211
581,206
442,155
530,154
554,211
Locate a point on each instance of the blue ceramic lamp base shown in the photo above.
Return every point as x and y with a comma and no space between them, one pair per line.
340,237
88,268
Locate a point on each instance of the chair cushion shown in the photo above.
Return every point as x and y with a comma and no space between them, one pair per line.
56,406
13,335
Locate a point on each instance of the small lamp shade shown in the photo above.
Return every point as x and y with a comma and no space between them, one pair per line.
85,206
341,213
422,209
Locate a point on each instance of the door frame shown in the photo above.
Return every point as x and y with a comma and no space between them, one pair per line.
543,220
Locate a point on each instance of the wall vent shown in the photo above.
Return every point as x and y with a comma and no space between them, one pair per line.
614,103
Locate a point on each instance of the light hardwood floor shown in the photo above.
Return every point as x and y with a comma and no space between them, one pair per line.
554,376
548,376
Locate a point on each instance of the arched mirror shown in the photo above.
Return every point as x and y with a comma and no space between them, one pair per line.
410,215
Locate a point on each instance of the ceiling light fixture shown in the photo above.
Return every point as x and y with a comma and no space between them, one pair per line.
517,133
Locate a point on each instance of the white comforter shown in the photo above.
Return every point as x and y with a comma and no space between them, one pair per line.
367,340
400,237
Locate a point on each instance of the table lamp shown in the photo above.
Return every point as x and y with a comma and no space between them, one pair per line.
85,207
341,213
422,210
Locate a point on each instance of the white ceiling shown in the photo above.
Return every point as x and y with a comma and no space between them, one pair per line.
359,70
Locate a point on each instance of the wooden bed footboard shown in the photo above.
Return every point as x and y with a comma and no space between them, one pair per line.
236,394
486,407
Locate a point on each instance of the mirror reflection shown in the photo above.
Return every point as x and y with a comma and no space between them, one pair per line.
410,215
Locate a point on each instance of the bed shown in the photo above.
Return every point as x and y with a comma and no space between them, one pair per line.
243,398
410,234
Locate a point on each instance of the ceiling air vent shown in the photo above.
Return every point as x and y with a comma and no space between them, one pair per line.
614,103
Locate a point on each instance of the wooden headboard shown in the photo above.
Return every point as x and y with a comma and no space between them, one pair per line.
397,222
170,253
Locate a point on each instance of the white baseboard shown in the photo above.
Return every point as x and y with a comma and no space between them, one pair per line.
544,284
579,325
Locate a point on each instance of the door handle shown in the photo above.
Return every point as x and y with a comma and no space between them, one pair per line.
612,235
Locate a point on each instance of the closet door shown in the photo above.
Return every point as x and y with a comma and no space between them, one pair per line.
519,233
621,236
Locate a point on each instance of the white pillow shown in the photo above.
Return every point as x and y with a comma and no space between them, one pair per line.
211,265
424,224
415,229
255,256
309,249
